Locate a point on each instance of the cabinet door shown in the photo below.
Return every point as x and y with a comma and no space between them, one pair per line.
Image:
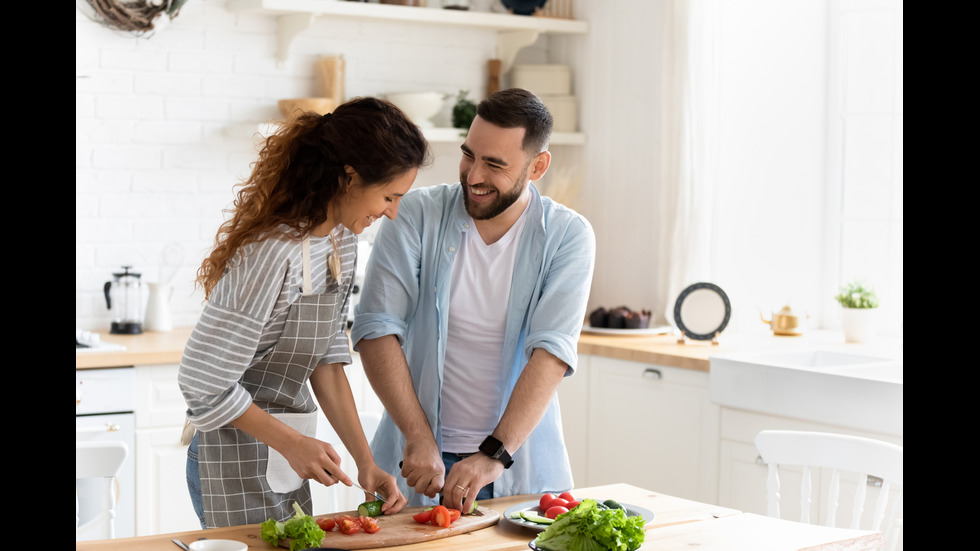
163,503
573,400
159,402
653,427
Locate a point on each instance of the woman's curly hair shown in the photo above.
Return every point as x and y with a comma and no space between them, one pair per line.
301,169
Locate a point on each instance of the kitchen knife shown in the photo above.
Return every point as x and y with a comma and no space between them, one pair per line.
358,486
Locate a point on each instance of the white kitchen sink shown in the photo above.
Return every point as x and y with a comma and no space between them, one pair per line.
851,390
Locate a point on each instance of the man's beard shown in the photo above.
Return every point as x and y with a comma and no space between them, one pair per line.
503,201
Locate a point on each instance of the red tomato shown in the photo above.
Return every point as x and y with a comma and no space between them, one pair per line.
424,517
567,496
545,502
555,510
347,525
440,517
454,514
326,524
369,524
572,504
557,502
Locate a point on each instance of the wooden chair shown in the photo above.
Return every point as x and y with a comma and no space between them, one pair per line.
839,453
98,459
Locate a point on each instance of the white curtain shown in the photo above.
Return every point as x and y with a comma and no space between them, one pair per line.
688,146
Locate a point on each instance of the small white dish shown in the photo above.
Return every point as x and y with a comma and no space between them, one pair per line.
217,545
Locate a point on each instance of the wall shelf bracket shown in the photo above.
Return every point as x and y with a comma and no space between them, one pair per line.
289,27
511,42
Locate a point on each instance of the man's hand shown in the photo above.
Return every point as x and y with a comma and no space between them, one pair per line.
467,477
423,468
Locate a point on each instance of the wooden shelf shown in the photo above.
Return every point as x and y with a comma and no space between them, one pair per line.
513,31
455,135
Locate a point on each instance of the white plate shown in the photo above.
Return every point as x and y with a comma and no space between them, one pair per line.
702,311
661,330
631,510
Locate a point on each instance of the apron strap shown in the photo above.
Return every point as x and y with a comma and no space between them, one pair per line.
307,278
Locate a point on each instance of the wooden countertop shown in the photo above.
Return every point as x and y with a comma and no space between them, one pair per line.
666,350
678,524
148,348
167,348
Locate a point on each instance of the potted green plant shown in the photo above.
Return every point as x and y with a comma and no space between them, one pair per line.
859,311
464,111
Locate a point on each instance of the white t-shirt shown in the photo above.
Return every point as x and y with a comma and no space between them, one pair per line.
477,313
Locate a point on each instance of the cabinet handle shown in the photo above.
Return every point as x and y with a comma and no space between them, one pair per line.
652,373
107,427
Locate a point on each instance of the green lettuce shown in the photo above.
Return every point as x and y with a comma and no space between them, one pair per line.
590,527
302,529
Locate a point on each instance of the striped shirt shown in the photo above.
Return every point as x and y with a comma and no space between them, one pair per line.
245,315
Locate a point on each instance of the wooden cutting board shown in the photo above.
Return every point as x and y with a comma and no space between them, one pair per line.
401,529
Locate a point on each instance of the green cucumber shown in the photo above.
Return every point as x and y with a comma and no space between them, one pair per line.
531,516
612,504
369,509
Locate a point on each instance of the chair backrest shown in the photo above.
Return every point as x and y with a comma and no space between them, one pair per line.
838,453
100,459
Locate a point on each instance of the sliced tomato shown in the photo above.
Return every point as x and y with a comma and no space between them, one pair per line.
369,524
545,501
567,496
347,525
441,517
454,515
326,523
424,517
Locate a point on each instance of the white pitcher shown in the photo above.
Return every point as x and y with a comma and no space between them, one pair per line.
158,307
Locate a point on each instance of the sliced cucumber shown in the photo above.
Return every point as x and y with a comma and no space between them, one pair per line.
369,509
531,516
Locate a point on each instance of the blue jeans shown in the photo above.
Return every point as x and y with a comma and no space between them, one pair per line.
194,480
449,459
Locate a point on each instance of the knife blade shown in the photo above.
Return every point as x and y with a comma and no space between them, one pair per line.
358,486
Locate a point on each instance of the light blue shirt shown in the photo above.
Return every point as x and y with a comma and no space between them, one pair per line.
406,293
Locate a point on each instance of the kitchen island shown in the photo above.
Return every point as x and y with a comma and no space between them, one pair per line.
678,524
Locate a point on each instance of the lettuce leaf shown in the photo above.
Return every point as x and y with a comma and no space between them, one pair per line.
302,529
588,527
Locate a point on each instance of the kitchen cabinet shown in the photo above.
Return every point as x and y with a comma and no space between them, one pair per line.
646,424
162,501
742,474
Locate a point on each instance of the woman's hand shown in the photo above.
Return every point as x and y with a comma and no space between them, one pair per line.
315,460
372,477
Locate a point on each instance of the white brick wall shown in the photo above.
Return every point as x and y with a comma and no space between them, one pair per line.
165,125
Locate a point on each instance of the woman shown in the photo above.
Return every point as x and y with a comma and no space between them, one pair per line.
277,286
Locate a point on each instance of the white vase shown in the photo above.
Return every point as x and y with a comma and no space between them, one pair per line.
859,324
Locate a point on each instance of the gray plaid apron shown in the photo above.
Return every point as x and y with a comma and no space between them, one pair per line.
236,469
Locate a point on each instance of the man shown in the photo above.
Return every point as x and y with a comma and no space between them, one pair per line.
471,309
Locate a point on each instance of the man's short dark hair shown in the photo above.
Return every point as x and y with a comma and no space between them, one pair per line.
518,108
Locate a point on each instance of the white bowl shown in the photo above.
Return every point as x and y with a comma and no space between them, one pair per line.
419,106
218,545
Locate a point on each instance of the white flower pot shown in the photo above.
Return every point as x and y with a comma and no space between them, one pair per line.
859,324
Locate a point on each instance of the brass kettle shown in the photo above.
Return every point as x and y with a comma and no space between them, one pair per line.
786,322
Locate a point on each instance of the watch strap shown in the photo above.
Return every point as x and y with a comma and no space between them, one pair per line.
495,449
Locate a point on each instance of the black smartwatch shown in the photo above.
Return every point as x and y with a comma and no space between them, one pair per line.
495,449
